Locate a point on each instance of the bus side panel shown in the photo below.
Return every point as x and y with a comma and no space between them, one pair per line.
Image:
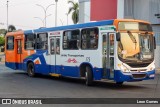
39,61
98,73
72,71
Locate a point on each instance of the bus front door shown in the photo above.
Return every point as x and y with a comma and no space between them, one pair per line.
108,55
54,55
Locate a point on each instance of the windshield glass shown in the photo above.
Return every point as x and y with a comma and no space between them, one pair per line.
135,47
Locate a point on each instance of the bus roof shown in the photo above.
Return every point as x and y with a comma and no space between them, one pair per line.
19,32
90,24
84,25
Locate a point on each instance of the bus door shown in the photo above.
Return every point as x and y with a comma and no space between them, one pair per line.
18,53
108,55
54,54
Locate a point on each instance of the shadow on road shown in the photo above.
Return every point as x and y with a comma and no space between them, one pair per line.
97,84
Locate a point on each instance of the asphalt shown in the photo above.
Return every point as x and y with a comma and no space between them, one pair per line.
17,84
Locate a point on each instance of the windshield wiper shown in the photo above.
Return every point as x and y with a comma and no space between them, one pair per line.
132,38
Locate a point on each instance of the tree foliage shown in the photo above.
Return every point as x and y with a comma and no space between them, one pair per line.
3,32
11,28
2,41
75,11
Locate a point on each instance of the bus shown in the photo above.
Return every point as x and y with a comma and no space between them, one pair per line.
121,50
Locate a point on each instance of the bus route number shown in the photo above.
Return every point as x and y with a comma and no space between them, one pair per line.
87,59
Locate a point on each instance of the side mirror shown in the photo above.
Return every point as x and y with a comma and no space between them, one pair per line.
118,36
154,40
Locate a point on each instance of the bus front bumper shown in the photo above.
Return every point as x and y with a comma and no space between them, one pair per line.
133,76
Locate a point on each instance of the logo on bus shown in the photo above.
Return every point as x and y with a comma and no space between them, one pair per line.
71,60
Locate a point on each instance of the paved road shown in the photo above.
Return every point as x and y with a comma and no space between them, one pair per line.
17,84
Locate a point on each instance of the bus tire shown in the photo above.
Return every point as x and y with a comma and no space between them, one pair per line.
30,70
119,83
89,76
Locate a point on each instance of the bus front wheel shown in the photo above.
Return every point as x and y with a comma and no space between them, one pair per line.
119,83
30,69
89,76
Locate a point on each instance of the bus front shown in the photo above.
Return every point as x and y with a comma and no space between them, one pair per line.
135,51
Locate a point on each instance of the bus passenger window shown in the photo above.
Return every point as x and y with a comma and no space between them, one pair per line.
42,40
10,43
71,39
29,41
89,38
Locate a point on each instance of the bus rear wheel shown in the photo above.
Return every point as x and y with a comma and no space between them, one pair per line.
30,70
89,76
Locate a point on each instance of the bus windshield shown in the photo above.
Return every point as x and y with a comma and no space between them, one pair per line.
136,47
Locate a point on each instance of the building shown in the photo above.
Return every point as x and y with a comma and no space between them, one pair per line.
95,10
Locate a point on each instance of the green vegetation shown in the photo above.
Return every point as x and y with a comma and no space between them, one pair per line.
11,28
75,11
2,41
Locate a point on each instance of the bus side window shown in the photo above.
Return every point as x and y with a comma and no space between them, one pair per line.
41,41
71,39
29,41
89,38
10,43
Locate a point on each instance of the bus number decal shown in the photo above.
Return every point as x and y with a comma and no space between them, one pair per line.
87,59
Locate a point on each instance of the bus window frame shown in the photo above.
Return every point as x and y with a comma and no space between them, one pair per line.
7,43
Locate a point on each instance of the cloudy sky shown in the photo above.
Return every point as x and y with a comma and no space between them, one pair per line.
22,13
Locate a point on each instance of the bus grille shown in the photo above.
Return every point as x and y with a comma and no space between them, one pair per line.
139,76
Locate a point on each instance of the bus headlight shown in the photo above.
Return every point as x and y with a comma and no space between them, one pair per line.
152,67
123,68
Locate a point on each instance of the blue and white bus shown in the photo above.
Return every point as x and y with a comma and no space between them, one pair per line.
118,50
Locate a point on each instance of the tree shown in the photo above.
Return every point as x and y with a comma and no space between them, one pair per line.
11,28
75,11
2,41
3,32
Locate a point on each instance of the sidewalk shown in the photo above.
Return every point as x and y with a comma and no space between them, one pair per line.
2,58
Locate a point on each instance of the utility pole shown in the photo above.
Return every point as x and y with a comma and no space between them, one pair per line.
7,15
56,13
